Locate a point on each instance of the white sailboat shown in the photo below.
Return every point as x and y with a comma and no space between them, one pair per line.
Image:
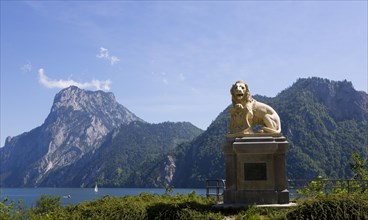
96,188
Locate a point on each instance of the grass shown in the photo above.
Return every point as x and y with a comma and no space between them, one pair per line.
191,206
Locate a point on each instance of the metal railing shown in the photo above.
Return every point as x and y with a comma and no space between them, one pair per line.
329,185
215,188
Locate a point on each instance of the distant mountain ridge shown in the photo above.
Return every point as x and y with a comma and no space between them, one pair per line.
78,123
324,121
89,138
343,102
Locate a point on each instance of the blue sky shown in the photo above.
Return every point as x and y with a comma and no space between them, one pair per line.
172,60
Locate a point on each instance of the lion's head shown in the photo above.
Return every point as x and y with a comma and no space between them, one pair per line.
240,92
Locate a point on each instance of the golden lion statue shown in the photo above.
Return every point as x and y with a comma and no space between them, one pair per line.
247,112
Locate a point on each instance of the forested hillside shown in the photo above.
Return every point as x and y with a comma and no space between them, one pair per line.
126,156
89,138
324,121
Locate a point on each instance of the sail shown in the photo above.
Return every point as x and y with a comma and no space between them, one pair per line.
96,188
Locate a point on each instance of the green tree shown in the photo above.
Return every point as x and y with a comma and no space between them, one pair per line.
359,167
316,187
360,171
47,204
12,210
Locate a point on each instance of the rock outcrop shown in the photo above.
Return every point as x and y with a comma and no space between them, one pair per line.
77,124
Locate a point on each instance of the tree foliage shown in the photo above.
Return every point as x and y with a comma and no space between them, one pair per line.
324,122
191,206
336,206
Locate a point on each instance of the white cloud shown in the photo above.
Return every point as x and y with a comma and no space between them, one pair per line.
104,54
114,59
50,83
26,68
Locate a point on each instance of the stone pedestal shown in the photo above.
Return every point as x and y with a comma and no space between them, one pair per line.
255,170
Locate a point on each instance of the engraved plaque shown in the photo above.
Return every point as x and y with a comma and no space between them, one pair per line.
255,171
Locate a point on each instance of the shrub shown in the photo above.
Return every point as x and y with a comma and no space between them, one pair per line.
47,204
145,206
331,207
12,210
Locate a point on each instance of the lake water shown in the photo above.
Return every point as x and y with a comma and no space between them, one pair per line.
29,196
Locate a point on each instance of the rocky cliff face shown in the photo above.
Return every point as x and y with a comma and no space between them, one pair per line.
77,124
169,169
128,158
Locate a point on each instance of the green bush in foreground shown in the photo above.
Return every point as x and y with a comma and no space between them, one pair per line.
334,206
11,210
191,206
144,206
47,204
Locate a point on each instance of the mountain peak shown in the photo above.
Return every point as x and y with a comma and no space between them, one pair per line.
340,97
324,86
79,99
78,123
74,102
